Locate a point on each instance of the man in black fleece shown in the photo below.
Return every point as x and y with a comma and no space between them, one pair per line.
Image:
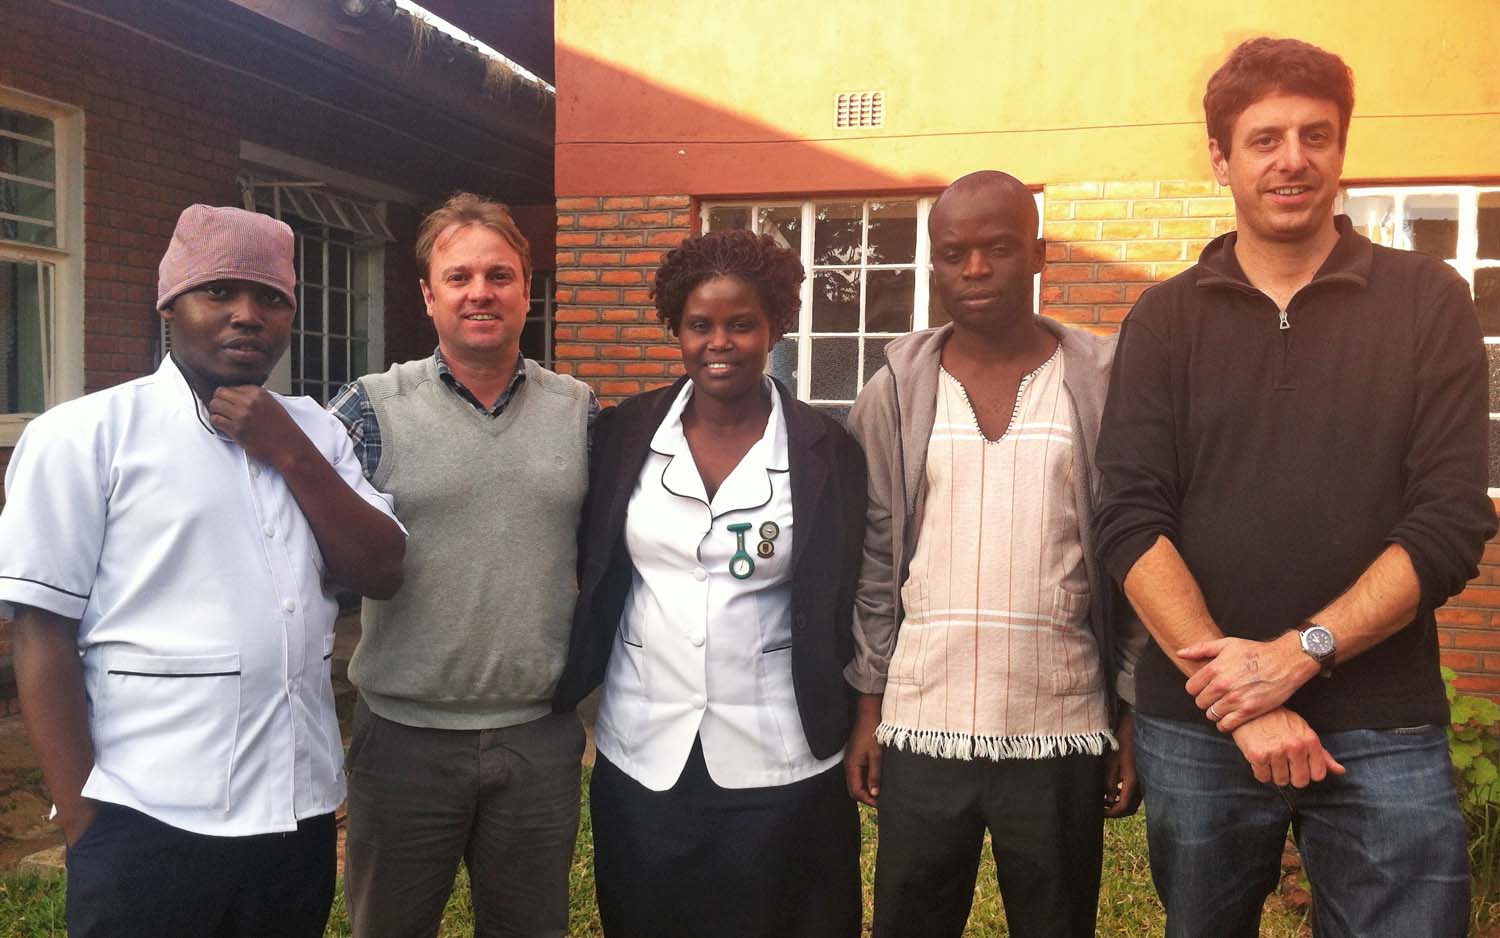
1294,469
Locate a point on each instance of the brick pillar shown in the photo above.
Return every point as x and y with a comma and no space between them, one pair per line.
608,250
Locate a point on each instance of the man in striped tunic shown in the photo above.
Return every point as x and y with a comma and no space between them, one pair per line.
985,642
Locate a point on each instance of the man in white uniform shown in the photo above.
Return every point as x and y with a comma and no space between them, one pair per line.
164,552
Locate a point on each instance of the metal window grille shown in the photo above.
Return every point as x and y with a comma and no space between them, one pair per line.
331,333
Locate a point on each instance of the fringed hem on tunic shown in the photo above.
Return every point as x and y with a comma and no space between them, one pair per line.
945,744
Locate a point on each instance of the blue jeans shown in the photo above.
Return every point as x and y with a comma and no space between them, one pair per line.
1383,845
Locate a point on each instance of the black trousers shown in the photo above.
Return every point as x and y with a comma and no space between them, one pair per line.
699,860
131,876
1046,823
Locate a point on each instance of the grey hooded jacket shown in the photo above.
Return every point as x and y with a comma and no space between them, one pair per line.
892,420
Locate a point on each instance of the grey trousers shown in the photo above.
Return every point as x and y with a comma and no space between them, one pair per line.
505,801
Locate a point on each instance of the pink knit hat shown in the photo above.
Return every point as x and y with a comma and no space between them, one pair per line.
212,243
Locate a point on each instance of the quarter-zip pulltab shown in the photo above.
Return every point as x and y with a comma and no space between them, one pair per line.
1285,323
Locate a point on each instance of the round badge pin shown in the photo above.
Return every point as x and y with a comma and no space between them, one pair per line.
769,530
765,549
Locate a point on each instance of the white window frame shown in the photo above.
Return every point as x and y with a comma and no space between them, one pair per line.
922,265
1466,259
61,266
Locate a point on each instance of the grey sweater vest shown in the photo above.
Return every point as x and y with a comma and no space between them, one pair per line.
478,634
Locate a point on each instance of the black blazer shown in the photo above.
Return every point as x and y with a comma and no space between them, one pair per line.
827,471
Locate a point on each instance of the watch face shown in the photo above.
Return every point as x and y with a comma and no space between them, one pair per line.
741,567
1318,641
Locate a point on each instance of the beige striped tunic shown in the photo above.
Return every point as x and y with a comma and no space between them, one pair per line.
994,657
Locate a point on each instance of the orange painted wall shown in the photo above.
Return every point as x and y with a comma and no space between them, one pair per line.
737,98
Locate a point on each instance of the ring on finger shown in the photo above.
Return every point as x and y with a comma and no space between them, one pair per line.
1213,714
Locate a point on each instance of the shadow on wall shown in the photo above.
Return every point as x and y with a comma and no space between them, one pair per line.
687,145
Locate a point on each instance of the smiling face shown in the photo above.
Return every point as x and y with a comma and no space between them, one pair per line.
984,253
476,294
725,337
1283,168
228,333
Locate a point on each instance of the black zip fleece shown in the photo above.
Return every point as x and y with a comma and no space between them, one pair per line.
1280,451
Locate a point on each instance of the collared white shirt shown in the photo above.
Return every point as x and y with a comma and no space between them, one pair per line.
204,626
700,652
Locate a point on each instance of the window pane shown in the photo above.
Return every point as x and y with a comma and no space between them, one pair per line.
1487,299
889,303
874,357
835,301
836,233
534,340
361,324
312,358
338,361
1374,217
27,125
28,232
1432,224
784,223
1489,225
361,363
783,364
338,312
312,261
893,233
311,309
728,218
835,363
21,302
338,265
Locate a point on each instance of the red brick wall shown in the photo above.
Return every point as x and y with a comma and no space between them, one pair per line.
1107,242
608,250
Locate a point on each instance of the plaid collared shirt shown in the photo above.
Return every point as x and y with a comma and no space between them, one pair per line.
353,409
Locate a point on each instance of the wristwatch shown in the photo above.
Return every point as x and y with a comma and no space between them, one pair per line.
1318,642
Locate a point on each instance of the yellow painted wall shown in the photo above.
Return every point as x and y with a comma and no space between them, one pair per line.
727,97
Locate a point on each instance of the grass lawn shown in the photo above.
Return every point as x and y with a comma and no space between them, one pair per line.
33,908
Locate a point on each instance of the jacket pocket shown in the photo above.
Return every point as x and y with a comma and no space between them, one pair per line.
169,726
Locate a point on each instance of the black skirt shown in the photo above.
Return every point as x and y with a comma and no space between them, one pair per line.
698,860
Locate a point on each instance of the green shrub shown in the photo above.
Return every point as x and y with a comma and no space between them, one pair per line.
1474,746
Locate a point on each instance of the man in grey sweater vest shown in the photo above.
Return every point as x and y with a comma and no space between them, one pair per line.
455,751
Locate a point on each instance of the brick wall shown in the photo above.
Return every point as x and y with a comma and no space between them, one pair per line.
1107,242
608,249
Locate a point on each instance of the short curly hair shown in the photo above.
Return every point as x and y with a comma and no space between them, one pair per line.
1263,66
772,270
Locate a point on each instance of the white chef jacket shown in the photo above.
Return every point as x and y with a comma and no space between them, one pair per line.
204,626
700,653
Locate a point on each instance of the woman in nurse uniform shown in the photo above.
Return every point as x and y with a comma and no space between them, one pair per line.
721,543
